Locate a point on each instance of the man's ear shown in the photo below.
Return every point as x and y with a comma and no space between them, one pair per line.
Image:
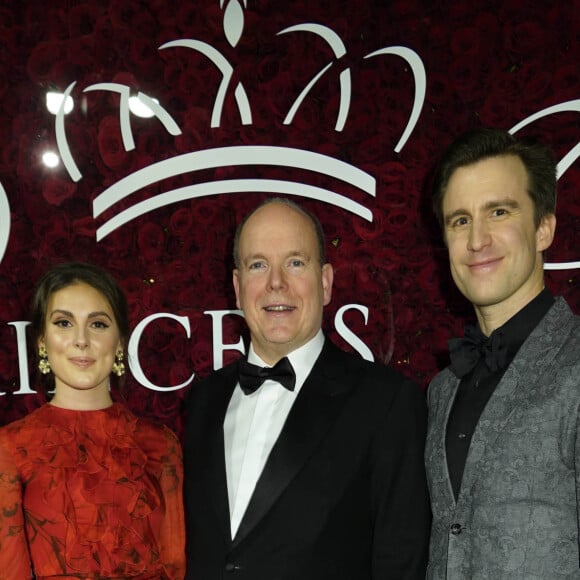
546,232
327,280
236,282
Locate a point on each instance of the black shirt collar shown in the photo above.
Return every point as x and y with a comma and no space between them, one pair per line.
517,329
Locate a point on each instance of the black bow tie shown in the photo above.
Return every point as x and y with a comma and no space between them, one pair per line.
466,352
251,376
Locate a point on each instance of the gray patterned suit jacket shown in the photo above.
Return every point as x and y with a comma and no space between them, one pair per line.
517,515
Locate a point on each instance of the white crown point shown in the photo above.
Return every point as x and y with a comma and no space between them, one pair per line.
233,22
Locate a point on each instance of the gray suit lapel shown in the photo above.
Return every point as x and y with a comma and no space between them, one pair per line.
437,452
519,385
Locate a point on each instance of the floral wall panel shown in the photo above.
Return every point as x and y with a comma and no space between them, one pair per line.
186,114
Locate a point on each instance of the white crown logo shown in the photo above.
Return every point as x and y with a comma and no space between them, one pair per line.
239,155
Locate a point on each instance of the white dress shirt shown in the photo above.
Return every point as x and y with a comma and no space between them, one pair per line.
254,422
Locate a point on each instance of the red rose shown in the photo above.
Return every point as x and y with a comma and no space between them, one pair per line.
467,77
132,18
466,42
56,190
56,240
144,56
202,356
82,18
181,222
42,60
150,241
566,81
111,148
495,111
523,38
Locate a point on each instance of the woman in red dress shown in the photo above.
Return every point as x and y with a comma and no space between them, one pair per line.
87,489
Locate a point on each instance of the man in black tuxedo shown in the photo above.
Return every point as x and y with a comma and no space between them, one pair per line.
303,462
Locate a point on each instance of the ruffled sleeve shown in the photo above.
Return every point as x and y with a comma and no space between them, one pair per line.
172,526
14,555
165,464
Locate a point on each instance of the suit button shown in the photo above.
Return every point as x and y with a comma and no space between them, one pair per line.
456,529
231,567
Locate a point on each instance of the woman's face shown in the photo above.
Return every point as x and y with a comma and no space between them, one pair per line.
81,338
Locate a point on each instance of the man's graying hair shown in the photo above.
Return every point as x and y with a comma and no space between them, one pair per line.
293,205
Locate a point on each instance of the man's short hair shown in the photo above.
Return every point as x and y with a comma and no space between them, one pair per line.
484,143
320,239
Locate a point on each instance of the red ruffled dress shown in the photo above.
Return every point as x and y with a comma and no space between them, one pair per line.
90,494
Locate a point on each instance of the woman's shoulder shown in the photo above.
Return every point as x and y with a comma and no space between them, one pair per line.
32,420
21,439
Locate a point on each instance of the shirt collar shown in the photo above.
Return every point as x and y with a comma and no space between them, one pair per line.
302,359
517,329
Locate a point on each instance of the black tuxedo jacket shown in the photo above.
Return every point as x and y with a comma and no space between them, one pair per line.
342,495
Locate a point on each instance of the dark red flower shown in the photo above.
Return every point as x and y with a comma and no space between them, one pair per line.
56,190
151,241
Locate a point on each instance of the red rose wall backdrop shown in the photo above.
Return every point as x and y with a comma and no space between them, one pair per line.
170,120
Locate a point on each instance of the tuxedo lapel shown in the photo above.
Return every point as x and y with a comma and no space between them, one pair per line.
215,474
312,414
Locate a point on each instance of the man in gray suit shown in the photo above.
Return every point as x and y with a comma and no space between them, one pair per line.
503,444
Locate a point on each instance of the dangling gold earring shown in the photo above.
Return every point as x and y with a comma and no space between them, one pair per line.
118,365
43,364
